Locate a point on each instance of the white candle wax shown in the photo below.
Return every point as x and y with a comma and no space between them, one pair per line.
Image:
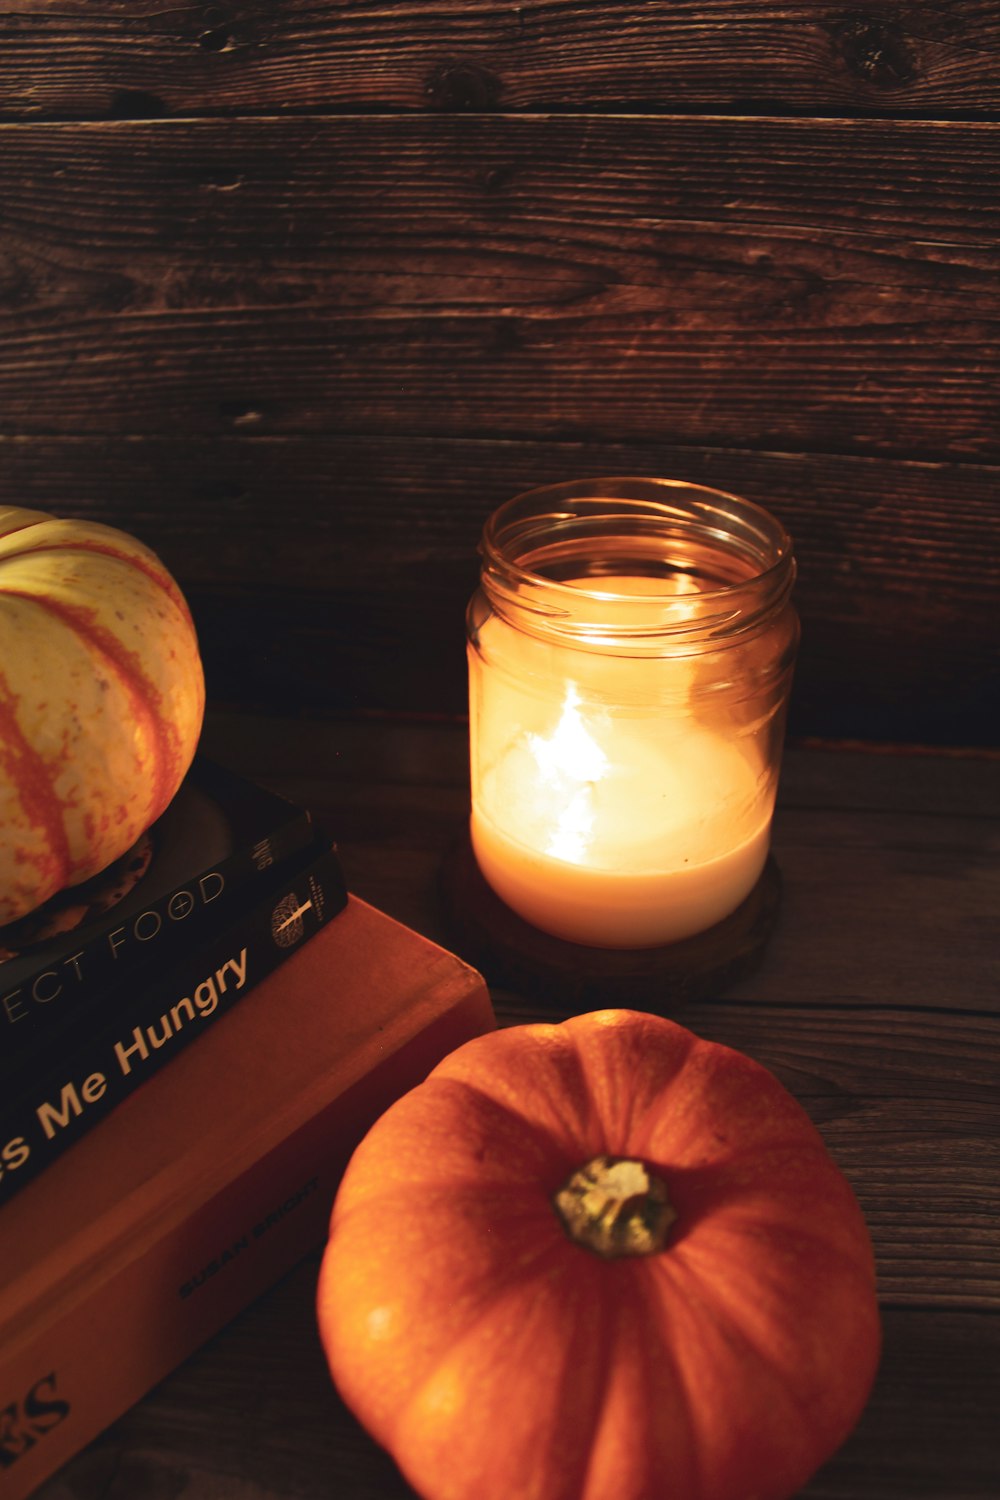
609,833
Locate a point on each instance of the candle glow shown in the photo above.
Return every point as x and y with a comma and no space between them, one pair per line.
605,833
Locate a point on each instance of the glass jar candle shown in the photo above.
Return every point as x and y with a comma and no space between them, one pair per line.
631,647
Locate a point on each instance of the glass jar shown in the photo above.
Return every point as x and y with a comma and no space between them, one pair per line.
631,647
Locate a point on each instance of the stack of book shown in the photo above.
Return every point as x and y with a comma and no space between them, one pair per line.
289,1016
109,981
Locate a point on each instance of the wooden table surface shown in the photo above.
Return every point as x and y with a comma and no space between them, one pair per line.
877,1004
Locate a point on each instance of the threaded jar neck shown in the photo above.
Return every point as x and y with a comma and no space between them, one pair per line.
636,565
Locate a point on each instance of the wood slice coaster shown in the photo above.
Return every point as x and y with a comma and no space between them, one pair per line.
512,954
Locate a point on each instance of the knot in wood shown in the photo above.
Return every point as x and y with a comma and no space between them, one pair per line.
874,49
463,88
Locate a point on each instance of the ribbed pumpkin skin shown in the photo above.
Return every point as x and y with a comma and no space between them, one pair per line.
101,700
495,1358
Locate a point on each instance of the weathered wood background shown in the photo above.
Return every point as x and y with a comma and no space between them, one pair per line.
298,292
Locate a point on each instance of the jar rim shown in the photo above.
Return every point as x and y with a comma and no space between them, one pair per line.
735,557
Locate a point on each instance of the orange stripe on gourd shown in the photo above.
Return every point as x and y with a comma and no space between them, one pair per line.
145,697
28,783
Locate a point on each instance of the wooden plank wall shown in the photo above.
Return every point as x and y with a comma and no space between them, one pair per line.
298,292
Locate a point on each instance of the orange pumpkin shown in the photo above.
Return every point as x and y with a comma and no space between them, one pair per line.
101,700
601,1260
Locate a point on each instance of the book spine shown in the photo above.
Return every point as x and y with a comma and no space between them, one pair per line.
36,1006
152,1022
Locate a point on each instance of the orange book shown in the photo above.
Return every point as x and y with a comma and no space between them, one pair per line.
211,1180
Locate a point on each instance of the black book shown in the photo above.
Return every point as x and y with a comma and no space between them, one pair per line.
220,837
70,1082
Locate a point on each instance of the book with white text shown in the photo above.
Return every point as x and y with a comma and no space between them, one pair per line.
68,1083
220,838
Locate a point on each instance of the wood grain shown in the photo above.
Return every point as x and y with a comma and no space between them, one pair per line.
137,57
820,285
309,559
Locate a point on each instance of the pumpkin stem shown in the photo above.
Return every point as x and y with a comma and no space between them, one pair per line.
614,1205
